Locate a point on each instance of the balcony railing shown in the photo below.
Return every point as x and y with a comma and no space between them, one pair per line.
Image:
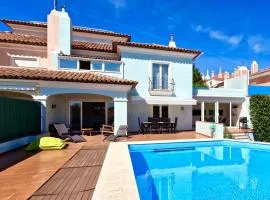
161,86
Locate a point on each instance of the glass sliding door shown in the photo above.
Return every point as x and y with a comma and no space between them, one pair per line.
110,113
75,115
93,115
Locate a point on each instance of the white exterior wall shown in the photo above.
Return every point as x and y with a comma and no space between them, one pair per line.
138,67
204,128
135,111
184,115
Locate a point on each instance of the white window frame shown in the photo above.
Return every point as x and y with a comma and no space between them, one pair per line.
103,62
160,63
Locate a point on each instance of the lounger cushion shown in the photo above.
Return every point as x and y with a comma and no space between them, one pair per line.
77,138
46,143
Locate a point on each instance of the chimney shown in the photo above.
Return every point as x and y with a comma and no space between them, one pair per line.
220,73
207,77
58,36
172,43
212,74
254,67
226,75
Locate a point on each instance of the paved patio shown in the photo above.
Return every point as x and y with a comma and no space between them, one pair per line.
29,172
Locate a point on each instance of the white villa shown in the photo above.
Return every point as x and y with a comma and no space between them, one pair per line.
88,77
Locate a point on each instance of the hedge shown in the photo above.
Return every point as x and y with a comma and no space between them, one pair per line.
260,117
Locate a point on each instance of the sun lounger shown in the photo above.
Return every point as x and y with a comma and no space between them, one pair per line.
64,133
121,132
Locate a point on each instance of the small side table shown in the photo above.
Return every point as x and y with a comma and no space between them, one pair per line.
87,131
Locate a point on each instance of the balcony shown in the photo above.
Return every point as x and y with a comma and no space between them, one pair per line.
161,86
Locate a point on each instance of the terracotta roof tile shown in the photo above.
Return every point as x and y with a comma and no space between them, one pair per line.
7,72
42,41
156,46
92,46
85,45
22,39
75,28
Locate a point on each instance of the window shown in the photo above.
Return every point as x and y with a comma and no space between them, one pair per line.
84,65
196,112
75,115
160,78
97,66
112,67
156,111
68,64
165,112
160,111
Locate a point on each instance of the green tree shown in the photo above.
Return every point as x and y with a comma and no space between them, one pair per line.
197,78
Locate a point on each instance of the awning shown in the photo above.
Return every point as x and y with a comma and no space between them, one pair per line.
163,101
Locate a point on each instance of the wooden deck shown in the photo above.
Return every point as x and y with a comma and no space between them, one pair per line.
24,174
77,178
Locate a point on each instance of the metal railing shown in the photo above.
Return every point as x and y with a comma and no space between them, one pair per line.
161,84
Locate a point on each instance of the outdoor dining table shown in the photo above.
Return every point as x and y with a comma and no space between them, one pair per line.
161,124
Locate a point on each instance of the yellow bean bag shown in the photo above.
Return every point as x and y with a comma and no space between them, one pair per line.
46,143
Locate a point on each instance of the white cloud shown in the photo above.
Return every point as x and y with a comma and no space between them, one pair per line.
218,35
259,44
118,3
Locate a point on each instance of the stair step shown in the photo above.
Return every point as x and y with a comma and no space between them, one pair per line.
241,137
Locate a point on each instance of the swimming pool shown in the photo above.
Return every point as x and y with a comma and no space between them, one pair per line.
202,170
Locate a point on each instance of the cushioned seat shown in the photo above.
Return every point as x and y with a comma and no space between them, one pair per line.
46,143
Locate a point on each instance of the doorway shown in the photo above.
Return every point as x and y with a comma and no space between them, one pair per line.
93,114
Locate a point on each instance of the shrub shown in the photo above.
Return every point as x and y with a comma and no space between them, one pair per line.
227,134
260,117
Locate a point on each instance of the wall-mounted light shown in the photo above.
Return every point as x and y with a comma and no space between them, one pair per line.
53,106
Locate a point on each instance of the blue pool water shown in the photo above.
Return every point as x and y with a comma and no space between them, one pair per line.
218,170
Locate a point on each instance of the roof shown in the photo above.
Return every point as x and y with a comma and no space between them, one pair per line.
23,73
261,72
157,46
42,41
75,28
94,57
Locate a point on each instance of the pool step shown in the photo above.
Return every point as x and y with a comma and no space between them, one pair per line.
241,137
174,149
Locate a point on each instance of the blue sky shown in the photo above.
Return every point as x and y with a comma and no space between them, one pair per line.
230,33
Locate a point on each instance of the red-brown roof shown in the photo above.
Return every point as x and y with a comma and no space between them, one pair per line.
60,75
116,58
75,28
85,45
157,46
42,41
261,72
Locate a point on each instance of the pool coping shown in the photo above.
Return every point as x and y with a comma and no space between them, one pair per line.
117,179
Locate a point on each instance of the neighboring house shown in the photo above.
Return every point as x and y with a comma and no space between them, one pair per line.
261,77
87,77
215,80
